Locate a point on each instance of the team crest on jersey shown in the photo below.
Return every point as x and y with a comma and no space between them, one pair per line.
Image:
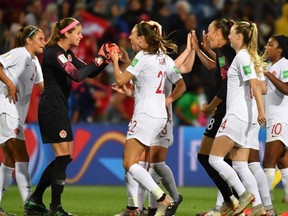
176,70
63,134
247,69
69,58
134,62
62,58
285,74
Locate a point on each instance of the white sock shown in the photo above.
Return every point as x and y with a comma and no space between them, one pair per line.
132,190
142,192
167,179
23,179
284,173
157,179
270,174
248,180
144,178
5,178
262,183
219,201
227,173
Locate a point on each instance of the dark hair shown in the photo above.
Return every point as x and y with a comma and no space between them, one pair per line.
23,33
283,44
224,25
56,35
154,39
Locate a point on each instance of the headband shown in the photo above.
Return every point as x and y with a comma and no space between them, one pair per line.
32,32
70,26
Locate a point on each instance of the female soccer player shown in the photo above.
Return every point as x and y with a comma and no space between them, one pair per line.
148,71
60,66
276,104
216,39
244,110
155,157
19,71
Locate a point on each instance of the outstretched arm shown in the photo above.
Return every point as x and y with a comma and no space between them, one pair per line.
185,61
206,61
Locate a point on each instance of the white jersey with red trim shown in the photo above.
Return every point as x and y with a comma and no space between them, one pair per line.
24,72
149,80
239,95
276,103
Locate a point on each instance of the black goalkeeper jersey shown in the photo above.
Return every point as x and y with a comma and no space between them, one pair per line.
224,58
59,69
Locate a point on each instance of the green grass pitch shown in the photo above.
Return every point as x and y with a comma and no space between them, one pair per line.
109,200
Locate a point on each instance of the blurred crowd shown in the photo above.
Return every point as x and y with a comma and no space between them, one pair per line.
93,100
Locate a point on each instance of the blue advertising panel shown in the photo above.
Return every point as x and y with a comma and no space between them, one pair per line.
190,171
98,150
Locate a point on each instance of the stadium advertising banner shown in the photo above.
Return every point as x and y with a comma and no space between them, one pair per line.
190,171
98,150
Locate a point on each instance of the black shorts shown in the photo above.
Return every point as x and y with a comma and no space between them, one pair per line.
55,128
214,124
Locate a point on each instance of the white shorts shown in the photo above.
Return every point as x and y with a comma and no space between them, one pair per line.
145,128
10,127
236,129
253,137
278,131
165,138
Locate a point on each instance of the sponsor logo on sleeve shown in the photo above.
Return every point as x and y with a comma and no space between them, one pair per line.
222,61
285,74
247,69
134,62
7,56
62,58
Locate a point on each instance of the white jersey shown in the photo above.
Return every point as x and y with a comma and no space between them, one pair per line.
24,72
276,103
149,79
239,96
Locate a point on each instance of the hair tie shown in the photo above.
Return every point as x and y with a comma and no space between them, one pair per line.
70,26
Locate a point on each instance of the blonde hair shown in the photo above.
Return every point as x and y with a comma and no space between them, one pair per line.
250,39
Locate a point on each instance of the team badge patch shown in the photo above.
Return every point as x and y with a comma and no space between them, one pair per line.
7,56
222,61
63,134
69,58
247,69
134,62
285,74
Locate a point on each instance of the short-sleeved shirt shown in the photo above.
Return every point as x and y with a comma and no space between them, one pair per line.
24,71
167,132
239,96
149,79
276,103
